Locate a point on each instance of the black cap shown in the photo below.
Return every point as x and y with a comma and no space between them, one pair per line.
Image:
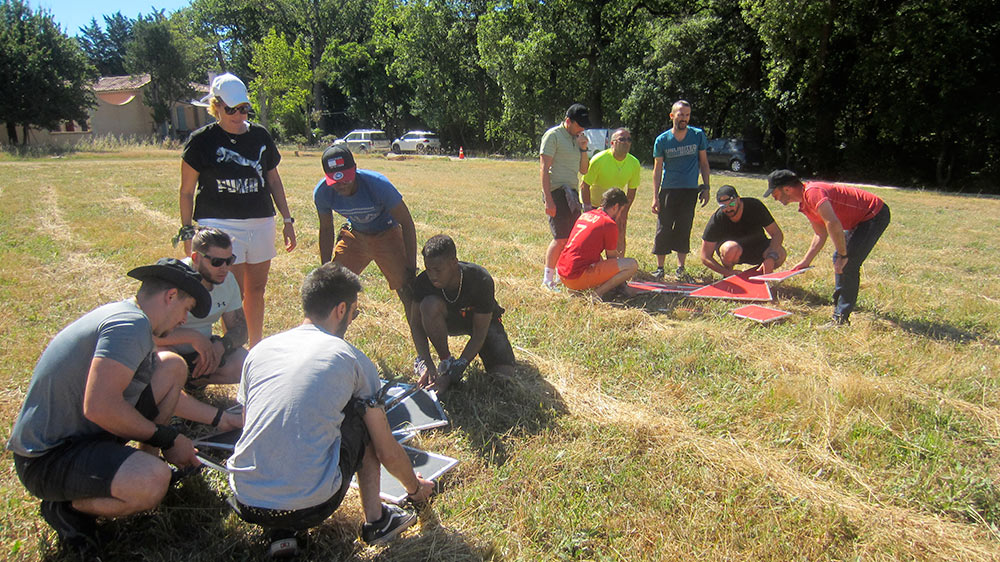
338,164
580,114
781,178
727,191
180,275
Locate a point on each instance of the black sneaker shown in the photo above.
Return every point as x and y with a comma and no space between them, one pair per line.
658,273
393,522
284,544
682,275
77,530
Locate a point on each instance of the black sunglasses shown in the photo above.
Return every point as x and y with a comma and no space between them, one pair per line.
244,109
218,262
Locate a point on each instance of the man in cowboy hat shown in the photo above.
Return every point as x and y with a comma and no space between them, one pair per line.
99,384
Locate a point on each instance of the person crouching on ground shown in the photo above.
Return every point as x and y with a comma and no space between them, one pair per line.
456,298
580,265
312,421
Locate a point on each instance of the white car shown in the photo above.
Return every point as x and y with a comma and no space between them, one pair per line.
365,140
417,141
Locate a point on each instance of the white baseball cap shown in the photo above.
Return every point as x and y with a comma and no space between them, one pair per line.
230,89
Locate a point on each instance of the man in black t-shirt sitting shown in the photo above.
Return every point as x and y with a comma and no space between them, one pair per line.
738,233
454,297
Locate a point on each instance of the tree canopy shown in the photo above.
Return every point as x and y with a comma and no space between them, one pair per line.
855,89
46,76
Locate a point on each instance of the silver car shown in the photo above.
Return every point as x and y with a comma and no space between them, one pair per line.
365,140
417,141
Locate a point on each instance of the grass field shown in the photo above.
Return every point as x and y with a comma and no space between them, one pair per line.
668,430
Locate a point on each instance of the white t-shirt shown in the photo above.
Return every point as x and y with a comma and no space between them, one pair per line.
294,388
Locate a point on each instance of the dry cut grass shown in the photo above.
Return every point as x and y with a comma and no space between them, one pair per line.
661,430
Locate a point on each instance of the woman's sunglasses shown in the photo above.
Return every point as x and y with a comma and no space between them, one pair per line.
244,109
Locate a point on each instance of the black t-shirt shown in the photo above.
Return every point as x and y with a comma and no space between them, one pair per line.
751,225
476,297
231,170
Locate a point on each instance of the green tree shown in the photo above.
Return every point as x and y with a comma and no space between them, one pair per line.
358,72
711,58
46,76
433,47
171,61
283,82
546,55
105,47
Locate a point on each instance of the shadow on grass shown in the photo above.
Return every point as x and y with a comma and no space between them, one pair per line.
492,408
939,331
194,524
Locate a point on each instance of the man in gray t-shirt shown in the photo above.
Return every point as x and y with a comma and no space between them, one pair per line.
563,153
310,418
99,384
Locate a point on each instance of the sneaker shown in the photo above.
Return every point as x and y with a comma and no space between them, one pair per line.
393,522
551,285
658,273
682,275
834,323
283,544
76,530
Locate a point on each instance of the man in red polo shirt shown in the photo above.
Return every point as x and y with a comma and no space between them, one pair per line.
853,218
580,265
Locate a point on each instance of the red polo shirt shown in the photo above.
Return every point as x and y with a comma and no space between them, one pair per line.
850,204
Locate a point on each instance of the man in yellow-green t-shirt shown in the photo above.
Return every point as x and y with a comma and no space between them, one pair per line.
613,167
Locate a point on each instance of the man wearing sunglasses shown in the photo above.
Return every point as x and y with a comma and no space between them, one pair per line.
738,233
212,359
613,167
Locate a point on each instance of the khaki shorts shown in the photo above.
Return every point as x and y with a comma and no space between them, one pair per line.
355,250
594,275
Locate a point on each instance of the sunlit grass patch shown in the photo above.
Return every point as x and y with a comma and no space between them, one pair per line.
664,429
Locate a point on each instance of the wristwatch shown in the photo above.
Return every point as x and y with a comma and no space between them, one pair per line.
290,220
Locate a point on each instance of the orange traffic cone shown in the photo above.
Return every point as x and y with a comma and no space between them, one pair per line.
461,153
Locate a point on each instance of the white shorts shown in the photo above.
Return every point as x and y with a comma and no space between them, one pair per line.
253,239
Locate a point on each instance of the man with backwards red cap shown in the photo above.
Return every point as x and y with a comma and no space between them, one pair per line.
379,226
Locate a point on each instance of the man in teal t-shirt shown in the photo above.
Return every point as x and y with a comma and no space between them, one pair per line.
613,167
679,154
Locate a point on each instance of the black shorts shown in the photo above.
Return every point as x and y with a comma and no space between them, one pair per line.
561,225
353,440
496,350
81,467
753,249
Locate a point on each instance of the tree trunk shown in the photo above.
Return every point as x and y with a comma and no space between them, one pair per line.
11,133
24,134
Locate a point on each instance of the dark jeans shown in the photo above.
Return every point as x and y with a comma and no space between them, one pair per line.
860,242
673,224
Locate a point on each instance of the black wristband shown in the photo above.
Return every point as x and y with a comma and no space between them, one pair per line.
163,438
218,417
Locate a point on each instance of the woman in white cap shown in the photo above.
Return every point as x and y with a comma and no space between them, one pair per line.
229,180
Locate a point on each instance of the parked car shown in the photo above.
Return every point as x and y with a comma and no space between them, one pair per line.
365,140
417,141
735,154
